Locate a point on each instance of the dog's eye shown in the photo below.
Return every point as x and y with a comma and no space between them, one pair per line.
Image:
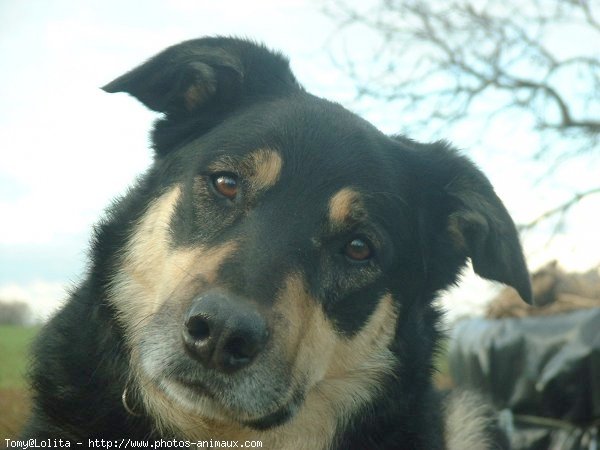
226,184
358,249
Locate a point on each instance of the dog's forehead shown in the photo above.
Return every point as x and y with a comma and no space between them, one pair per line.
303,127
320,144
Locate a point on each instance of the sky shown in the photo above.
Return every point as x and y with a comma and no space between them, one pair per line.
67,148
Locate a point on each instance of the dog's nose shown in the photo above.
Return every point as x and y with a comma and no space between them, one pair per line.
224,332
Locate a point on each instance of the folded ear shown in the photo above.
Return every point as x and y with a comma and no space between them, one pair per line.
473,222
481,226
208,73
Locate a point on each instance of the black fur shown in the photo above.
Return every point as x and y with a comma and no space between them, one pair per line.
229,96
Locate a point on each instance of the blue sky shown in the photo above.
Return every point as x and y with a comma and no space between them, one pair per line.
67,148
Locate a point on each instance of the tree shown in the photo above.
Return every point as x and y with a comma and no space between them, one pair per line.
14,313
444,62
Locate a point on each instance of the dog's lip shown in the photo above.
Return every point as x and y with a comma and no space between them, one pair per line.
272,419
195,385
275,418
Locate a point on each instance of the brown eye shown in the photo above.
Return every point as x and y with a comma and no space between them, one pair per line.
226,185
358,250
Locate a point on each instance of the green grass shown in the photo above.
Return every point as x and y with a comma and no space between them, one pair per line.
14,395
14,348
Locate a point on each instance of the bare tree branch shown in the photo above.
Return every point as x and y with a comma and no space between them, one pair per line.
444,62
560,209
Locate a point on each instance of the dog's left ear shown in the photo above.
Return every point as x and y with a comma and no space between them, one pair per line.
473,219
212,73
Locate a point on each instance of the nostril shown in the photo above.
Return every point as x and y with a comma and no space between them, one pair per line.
198,328
239,350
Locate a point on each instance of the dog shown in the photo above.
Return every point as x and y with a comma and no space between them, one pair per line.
271,276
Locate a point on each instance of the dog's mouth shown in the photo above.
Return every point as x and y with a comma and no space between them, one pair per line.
257,408
278,417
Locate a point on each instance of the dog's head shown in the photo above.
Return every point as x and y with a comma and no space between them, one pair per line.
284,241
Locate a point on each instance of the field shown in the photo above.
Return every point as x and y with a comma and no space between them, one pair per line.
14,397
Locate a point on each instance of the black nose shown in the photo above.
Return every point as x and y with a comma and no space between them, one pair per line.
224,332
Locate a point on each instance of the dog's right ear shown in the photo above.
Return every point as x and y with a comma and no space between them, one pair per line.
465,217
207,73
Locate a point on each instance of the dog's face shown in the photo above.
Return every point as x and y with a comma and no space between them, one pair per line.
284,240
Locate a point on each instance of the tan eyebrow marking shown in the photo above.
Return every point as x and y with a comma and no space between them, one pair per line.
262,168
344,205
265,167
